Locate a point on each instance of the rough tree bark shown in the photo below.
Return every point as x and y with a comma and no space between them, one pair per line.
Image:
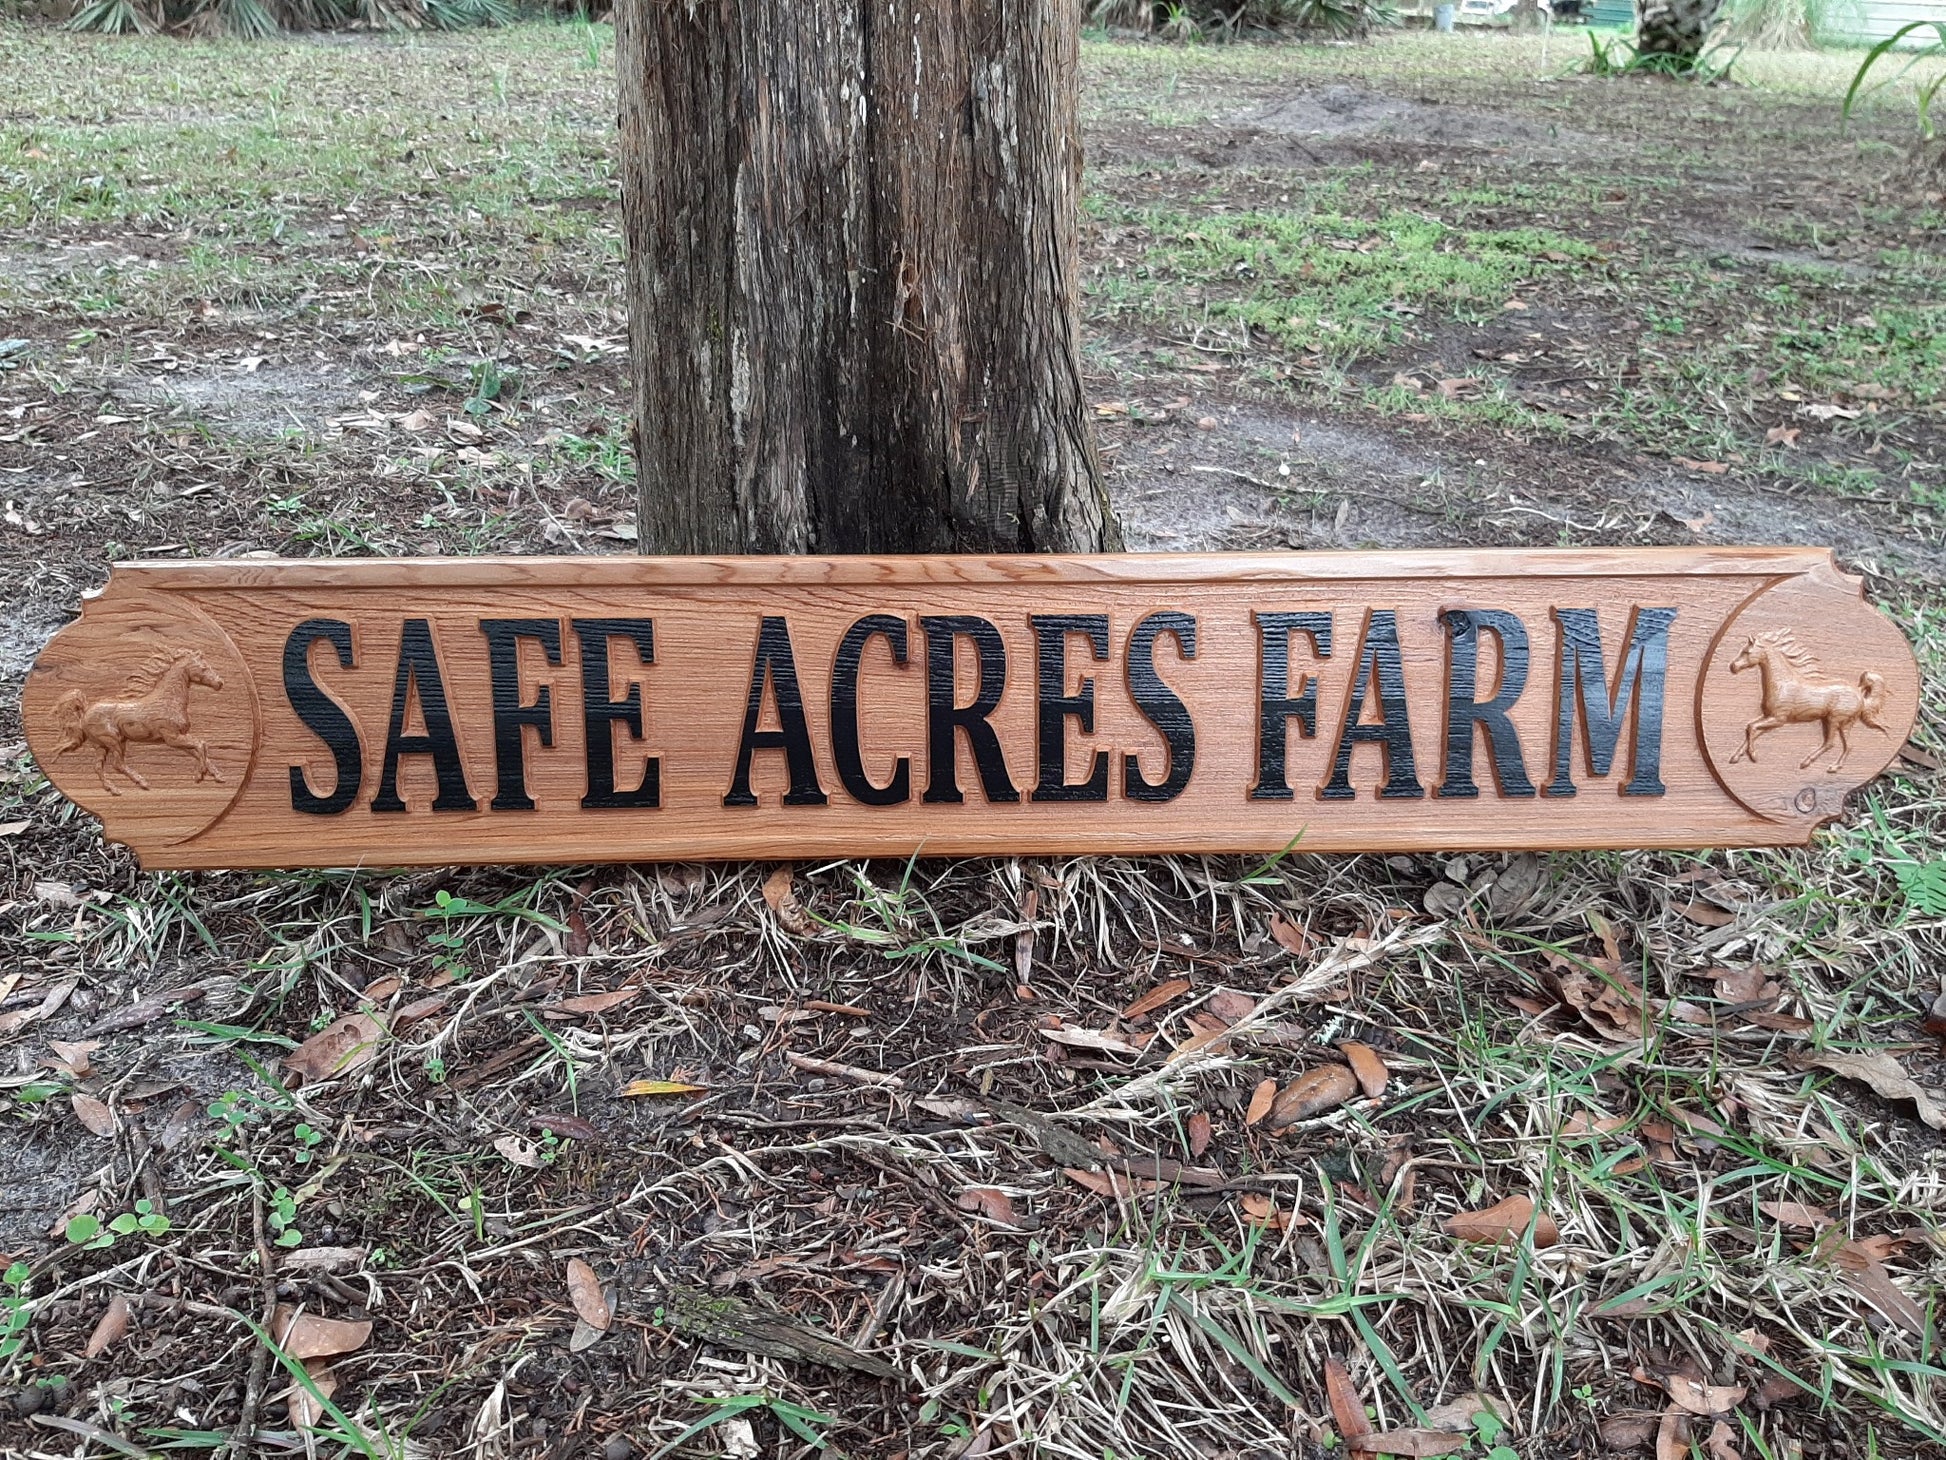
1676,29
851,230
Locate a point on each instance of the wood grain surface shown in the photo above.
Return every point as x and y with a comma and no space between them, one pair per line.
266,713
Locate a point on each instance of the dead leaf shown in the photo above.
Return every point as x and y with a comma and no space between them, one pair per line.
94,1114
1414,1442
1885,1075
1347,1409
73,1055
1861,1270
1783,435
591,1003
311,1336
989,1202
584,1291
1505,1221
1091,1039
1291,937
417,421
1367,1066
111,1329
1109,1183
1699,1397
306,1408
1261,1099
1672,1435
784,906
520,1152
1462,388
567,1126
1156,997
1722,1443
1230,1007
663,1087
338,1049
12,828
1311,1094
1260,1211
1629,1430
1714,468
1708,914
1199,1134
1796,1214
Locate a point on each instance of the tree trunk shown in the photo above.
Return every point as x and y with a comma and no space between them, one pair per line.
1676,29
851,237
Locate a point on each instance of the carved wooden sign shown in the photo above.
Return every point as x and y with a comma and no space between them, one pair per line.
414,712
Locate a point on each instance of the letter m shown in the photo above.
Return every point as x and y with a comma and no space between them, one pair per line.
1634,700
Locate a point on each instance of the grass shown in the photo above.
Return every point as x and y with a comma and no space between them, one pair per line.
404,226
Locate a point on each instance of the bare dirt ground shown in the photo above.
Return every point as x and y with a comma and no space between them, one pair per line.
972,1159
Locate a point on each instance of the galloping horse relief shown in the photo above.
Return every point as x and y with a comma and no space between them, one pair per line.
155,712
1795,693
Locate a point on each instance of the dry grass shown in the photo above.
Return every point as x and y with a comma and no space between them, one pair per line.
1028,1230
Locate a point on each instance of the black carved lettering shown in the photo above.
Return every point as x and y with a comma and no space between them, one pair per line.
776,664
1379,660
1276,705
322,716
845,748
1605,709
511,718
601,712
1161,706
1464,711
945,716
419,669
1055,707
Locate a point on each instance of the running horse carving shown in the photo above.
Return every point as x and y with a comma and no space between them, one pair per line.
1796,694
157,712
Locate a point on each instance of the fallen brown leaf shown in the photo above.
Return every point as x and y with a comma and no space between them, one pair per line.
1699,1397
584,1291
1885,1075
307,1408
1291,937
663,1087
1261,1100
94,1114
1156,997
1414,1442
110,1330
1672,1435
1505,1221
1261,1211
1095,1039
1312,1094
1347,1409
1722,1443
591,1003
1714,468
1199,1134
1796,1214
311,1336
1367,1066
1860,1269
1629,1430
1708,914
338,1049
990,1202
1230,1007
784,906
73,1055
